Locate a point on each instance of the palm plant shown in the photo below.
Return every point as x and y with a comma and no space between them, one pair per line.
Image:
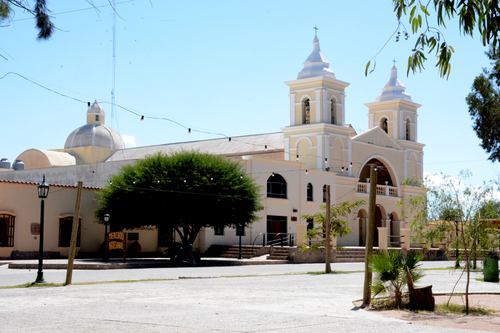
389,268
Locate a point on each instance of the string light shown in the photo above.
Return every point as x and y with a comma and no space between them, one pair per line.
189,130
142,118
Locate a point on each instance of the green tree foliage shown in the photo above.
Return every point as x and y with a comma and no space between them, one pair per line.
484,107
184,191
338,225
442,203
445,201
428,17
39,11
389,268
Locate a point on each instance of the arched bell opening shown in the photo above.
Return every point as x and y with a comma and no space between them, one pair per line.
384,176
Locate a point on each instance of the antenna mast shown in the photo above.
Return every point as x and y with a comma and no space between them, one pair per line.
113,111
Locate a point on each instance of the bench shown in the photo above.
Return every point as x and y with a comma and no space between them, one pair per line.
420,297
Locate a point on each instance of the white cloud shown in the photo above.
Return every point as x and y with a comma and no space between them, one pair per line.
129,141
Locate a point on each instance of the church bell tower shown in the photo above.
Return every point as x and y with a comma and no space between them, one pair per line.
317,115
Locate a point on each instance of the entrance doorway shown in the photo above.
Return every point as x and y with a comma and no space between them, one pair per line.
276,228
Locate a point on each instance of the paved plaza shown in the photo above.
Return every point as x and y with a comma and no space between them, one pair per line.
250,298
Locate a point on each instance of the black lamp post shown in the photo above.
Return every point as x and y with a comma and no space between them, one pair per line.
106,218
43,192
457,263
240,234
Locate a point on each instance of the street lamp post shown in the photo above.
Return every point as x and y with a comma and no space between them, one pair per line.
106,218
43,192
457,263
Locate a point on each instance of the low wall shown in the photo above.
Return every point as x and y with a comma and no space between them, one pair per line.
298,257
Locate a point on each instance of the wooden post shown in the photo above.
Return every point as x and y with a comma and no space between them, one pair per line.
74,234
328,239
370,234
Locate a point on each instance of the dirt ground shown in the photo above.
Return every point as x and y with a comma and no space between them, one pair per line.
489,323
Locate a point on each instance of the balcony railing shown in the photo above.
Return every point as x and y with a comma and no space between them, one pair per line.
381,189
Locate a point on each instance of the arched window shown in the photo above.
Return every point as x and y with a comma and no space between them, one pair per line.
309,192
276,186
383,124
7,222
332,111
407,129
306,112
324,193
65,227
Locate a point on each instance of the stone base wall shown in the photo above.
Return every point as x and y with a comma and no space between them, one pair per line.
34,255
310,256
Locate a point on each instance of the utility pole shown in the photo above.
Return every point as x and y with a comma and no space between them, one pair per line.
370,233
328,239
74,234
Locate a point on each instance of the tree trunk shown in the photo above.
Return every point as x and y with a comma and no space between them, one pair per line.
468,272
369,235
328,239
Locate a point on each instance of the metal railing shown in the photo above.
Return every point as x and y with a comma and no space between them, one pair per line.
277,239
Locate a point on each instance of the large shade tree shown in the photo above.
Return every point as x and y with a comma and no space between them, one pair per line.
484,107
184,191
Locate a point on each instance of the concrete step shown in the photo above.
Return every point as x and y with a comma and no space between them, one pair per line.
231,251
279,253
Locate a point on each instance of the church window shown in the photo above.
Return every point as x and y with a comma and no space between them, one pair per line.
96,117
324,193
307,112
332,111
7,222
65,227
383,125
240,230
408,129
218,231
276,187
309,192
166,236
310,224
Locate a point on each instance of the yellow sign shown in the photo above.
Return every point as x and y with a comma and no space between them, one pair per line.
116,245
117,236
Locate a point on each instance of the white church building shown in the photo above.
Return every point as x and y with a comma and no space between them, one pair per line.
292,166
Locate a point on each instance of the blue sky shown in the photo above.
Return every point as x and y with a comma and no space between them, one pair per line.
219,67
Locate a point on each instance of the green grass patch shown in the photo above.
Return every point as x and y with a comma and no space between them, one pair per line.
33,285
460,309
334,272
41,285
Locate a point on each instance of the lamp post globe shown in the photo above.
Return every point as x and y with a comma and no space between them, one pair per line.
43,192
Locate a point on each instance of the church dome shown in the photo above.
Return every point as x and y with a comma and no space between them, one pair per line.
95,133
